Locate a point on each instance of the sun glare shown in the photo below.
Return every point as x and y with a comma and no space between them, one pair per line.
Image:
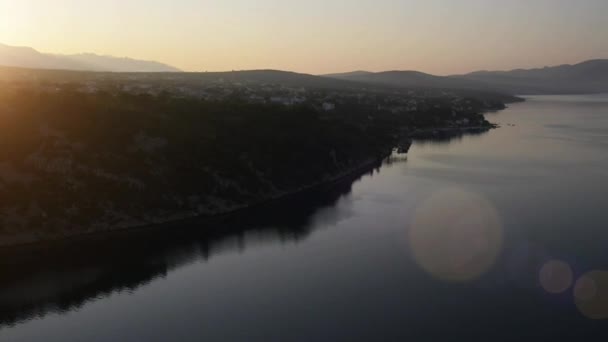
15,21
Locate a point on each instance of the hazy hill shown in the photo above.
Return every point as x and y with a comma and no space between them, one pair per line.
275,77
194,80
409,79
27,57
117,64
586,77
352,74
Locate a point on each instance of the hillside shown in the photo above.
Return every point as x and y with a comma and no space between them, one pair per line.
171,82
114,150
586,77
409,79
27,57
286,78
349,75
274,77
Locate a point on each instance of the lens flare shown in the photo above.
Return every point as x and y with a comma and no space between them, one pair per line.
591,295
556,276
456,235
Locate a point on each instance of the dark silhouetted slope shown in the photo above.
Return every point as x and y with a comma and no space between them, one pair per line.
586,77
275,77
410,79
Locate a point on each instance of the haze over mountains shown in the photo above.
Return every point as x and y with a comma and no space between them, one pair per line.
409,79
586,77
27,57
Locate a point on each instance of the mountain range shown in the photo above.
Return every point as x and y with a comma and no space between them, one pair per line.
586,77
27,57
408,79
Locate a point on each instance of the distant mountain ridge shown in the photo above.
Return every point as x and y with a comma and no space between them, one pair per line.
586,77
27,57
358,73
408,79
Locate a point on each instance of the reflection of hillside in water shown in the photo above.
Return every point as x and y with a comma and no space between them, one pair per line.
448,137
62,277
36,281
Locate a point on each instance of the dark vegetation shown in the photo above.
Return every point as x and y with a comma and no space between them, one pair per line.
74,162
128,260
145,154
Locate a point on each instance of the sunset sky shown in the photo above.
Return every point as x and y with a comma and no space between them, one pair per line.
316,36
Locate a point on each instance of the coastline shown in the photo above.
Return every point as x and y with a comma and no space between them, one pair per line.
33,241
449,132
402,144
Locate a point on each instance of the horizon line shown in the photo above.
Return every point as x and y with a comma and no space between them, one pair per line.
182,70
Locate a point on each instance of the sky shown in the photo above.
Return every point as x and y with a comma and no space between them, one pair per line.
317,36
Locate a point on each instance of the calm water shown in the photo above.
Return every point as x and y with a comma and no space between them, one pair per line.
488,237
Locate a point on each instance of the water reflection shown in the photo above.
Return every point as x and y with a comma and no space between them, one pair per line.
62,277
357,280
446,138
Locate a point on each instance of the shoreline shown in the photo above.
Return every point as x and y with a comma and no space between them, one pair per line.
402,145
449,132
23,242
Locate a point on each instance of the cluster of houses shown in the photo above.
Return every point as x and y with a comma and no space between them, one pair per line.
394,101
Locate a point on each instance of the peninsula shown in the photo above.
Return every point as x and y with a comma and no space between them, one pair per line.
89,152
